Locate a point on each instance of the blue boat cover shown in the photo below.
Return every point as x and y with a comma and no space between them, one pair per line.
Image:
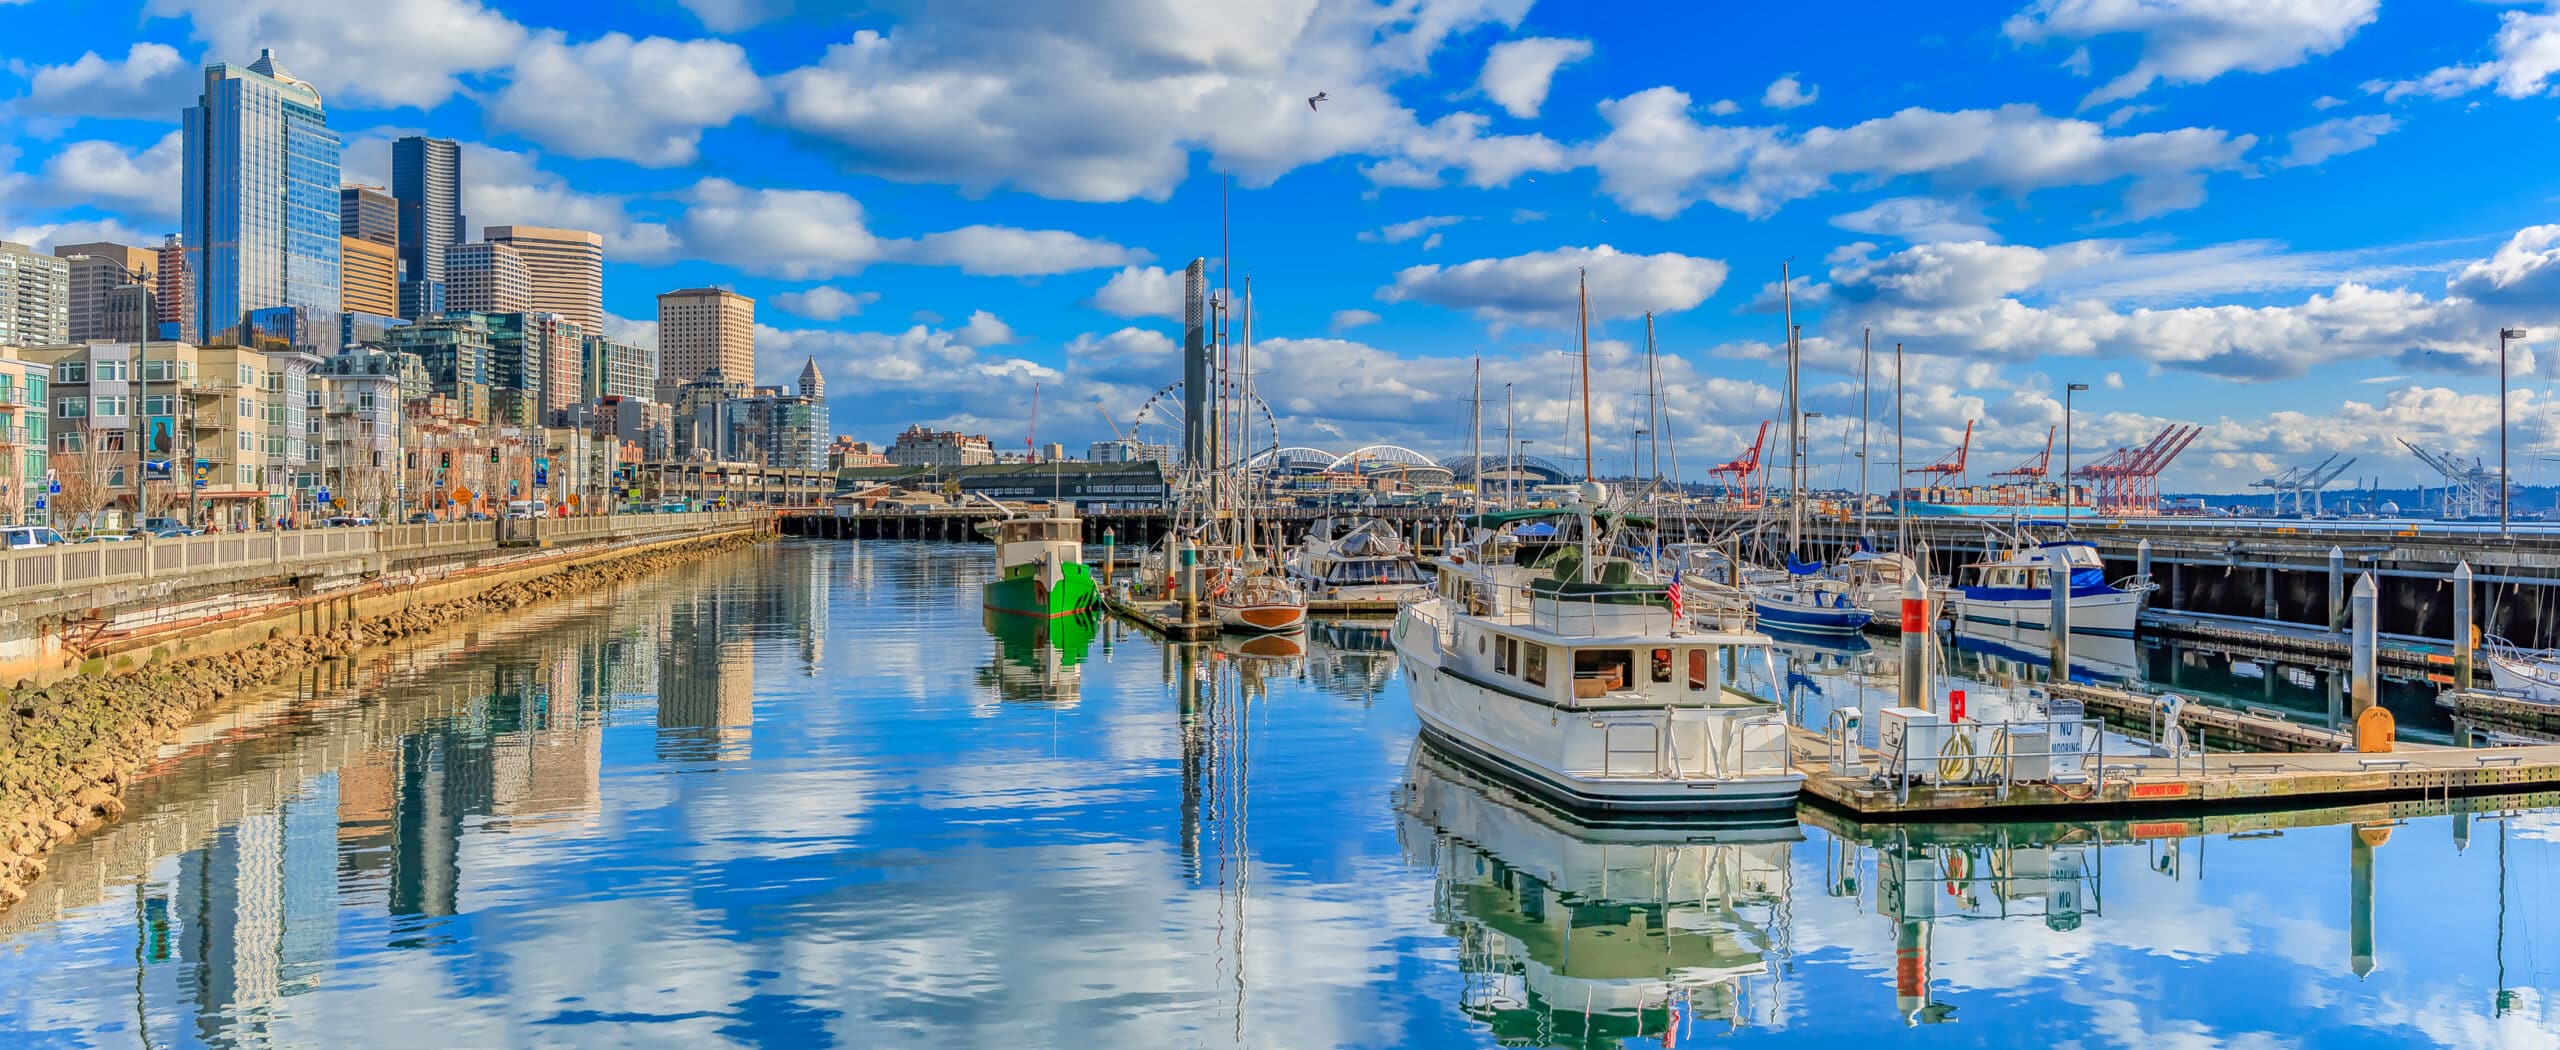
1797,568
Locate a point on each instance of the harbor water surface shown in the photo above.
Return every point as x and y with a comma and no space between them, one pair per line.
806,795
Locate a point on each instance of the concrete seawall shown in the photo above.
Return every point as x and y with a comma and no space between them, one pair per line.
69,749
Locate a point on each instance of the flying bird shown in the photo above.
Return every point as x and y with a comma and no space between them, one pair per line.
1318,97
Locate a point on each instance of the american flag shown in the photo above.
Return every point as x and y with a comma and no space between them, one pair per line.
1677,610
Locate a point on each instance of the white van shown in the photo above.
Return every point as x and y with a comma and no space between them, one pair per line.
525,508
28,537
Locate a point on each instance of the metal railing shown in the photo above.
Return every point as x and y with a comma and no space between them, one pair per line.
31,572
1987,753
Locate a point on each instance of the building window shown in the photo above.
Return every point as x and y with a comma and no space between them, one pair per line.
72,408
70,442
107,406
71,372
109,370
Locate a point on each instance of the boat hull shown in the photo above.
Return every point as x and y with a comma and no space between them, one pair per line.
1260,619
1022,594
1804,620
2536,682
2111,615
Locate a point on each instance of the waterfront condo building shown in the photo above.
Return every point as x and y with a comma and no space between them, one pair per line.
700,329
426,180
230,417
98,268
22,438
259,195
35,297
566,269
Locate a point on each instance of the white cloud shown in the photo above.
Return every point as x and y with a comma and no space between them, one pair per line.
1917,219
799,234
152,82
646,101
730,16
1787,93
1005,251
1539,288
1657,160
2327,102
385,53
1517,73
984,329
2523,272
1346,320
507,187
1105,101
2527,54
1400,232
144,184
45,237
1141,291
2331,138
1458,141
1724,107
2193,41
826,302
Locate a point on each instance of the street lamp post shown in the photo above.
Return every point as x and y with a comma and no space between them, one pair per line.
2068,389
2504,334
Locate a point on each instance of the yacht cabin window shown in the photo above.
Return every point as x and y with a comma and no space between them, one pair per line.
1661,665
1698,678
1599,671
1534,666
1506,655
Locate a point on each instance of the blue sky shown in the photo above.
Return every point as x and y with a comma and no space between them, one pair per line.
2297,222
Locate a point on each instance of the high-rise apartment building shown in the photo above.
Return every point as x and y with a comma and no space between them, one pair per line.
260,194
173,307
482,277
98,268
369,277
35,297
701,329
612,368
567,267
426,179
535,366
368,213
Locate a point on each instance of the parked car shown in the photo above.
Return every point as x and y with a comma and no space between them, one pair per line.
165,529
104,537
422,518
521,509
28,537
347,521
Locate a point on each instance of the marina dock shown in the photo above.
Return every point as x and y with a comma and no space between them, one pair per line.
2135,785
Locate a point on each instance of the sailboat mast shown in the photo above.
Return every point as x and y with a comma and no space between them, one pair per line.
1795,415
1653,398
1866,414
1584,316
1244,424
1901,538
1475,430
1510,455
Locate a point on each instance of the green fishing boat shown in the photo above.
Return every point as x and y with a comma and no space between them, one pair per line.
1040,570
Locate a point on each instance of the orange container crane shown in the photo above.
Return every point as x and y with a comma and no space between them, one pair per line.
1743,480
2034,469
1950,465
2127,481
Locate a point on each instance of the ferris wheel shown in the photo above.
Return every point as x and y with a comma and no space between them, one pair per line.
1160,422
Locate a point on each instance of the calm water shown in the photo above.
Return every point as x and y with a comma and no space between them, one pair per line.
803,797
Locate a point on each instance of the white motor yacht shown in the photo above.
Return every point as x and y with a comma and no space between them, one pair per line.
2011,596
1567,672
1366,561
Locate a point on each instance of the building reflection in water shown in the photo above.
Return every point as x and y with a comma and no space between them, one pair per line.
1575,935
301,811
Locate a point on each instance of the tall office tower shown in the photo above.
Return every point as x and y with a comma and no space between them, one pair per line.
370,277
367,213
127,315
426,178
567,268
260,194
35,297
97,268
482,277
173,311
701,329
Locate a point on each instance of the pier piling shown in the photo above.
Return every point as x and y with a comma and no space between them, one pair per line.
2462,628
2337,589
2058,625
2360,647
1915,642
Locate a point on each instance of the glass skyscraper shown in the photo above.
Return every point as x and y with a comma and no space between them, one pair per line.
426,178
261,195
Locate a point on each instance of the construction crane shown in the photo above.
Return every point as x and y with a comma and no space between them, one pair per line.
2032,470
2297,488
1744,480
2127,480
1951,464
2469,491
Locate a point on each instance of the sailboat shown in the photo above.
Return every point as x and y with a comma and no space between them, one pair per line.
1249,595
1804,599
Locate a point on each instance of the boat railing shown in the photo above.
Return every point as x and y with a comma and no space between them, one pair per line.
1991,753
2138,583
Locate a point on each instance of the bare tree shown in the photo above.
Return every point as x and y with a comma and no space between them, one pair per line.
88,477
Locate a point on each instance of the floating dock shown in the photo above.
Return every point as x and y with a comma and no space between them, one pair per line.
1163,616
2138,785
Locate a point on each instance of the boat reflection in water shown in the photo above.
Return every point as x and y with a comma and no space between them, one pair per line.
1583,934
1038,660
1351,659
2027,655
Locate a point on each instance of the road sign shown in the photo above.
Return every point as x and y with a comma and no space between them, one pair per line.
53,487
461,495
321,495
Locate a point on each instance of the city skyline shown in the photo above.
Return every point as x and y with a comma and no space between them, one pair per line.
2154,203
